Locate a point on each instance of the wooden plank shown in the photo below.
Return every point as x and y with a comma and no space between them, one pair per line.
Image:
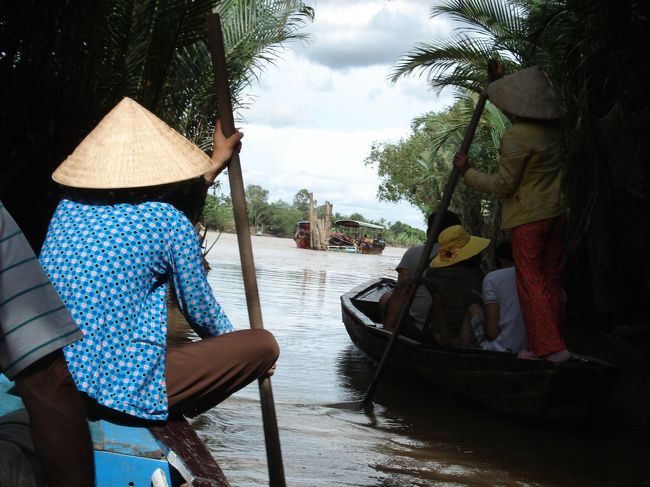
192,453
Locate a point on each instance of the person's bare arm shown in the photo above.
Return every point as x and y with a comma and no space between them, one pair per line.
223,148
402,275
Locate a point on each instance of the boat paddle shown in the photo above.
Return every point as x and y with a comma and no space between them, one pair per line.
271,436
366,403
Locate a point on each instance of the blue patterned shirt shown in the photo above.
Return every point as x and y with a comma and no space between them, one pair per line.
111,265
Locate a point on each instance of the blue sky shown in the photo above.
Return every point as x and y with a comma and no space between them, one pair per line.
314,115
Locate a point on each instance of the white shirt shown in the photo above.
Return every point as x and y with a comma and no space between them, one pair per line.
500,287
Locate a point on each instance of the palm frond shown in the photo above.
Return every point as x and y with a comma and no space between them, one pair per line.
489,18
458,61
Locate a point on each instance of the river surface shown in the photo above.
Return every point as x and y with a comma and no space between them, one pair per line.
414,437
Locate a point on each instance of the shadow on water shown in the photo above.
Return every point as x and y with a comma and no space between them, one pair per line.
448,441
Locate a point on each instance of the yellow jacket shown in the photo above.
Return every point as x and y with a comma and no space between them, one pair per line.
529,174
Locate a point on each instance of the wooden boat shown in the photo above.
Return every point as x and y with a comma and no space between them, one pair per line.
363,237
302,235
166,455
570,392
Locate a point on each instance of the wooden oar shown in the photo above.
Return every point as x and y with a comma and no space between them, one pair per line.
366,403
271,436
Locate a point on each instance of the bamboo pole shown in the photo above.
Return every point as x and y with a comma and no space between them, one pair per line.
271,434
435,230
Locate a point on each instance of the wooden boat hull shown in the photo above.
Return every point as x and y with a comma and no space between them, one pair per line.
567,392
371,249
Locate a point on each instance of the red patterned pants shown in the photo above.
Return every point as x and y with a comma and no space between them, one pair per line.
537,248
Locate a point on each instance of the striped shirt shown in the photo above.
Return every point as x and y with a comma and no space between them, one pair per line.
33,320
111,264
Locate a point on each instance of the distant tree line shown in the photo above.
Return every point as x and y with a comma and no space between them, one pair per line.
280,218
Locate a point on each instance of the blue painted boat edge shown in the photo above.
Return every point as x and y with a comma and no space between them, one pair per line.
8,401
112,469
122,454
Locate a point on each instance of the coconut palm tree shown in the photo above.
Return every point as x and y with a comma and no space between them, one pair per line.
65,63
486,29
598,52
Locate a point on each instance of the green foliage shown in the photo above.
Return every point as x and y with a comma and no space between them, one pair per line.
282,219
597,52
257,205
218,213
402,235
65,63
301,202
416,169
488,29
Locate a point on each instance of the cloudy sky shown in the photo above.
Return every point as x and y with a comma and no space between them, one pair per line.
315,115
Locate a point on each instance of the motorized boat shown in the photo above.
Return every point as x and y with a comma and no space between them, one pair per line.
362,237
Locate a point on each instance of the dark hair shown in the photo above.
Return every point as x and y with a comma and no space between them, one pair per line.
503,251
474,261
187,196
449,219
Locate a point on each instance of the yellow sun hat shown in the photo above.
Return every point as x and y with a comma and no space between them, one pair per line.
528,93
131,148
456,245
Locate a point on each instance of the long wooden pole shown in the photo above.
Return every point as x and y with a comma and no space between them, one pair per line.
432,235
271,434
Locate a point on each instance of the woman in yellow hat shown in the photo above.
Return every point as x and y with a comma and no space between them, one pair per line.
112,252
454,280
533,209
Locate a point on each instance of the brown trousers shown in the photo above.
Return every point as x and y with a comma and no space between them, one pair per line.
58,422
201,374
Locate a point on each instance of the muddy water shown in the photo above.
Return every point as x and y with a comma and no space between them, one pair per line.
415,437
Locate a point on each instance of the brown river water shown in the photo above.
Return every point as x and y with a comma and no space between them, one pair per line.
415,436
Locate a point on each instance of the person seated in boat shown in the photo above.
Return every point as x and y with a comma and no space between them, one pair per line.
454,281
418,324
498,324
34,327
113,250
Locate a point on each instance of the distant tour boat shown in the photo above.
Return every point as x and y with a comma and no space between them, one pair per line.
356,236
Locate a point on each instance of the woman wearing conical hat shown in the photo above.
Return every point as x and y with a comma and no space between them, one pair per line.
533,209
112,249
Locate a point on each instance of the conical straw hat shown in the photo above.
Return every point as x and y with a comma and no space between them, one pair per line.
528,93
131,148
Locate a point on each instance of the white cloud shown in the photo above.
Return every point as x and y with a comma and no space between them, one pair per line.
315,115
366,33
327,163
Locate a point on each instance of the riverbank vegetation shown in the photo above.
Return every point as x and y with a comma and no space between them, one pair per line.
279,218
65,63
